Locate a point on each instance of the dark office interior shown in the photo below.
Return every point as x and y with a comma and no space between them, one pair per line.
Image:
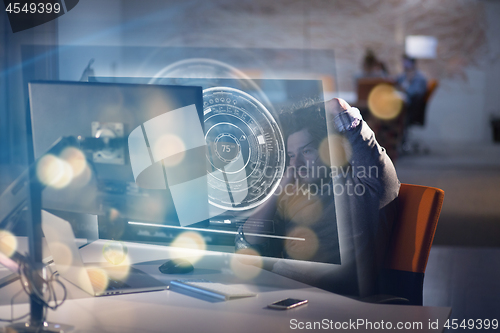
455,146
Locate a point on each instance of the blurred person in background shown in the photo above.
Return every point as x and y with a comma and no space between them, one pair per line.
413,84
372,67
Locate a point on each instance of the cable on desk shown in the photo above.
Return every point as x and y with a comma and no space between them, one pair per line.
27,281
27,277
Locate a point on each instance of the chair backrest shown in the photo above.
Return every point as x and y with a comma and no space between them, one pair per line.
411,240
413,232
366,84
432,84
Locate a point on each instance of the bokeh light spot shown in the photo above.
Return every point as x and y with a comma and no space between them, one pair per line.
62,255
113,214
115,252
189,240
54,172
83,179
170,146
384,102
99,278
8,243
335,150
76,159
120,272
302,249
246,263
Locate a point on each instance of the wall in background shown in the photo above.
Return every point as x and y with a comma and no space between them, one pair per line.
468,67
492,97
97,23
461,109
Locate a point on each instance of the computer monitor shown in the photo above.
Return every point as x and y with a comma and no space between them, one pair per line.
245,161
110,112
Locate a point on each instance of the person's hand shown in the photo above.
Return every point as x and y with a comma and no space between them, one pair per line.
335,106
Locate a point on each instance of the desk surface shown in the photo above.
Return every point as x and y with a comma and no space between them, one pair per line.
176,311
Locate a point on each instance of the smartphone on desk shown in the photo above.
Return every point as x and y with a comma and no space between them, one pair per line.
287,303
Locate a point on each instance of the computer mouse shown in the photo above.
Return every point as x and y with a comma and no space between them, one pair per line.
176,266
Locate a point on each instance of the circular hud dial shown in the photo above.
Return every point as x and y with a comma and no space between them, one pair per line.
246,152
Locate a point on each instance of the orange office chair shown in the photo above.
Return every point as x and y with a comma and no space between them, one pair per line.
410,243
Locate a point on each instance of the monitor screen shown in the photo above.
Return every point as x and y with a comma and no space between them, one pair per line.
111,112
246,157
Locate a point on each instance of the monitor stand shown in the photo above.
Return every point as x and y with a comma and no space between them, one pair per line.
37,321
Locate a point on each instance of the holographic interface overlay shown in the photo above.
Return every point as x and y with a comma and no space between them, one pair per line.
169,150
241,141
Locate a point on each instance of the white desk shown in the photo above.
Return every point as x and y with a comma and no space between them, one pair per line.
172,311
